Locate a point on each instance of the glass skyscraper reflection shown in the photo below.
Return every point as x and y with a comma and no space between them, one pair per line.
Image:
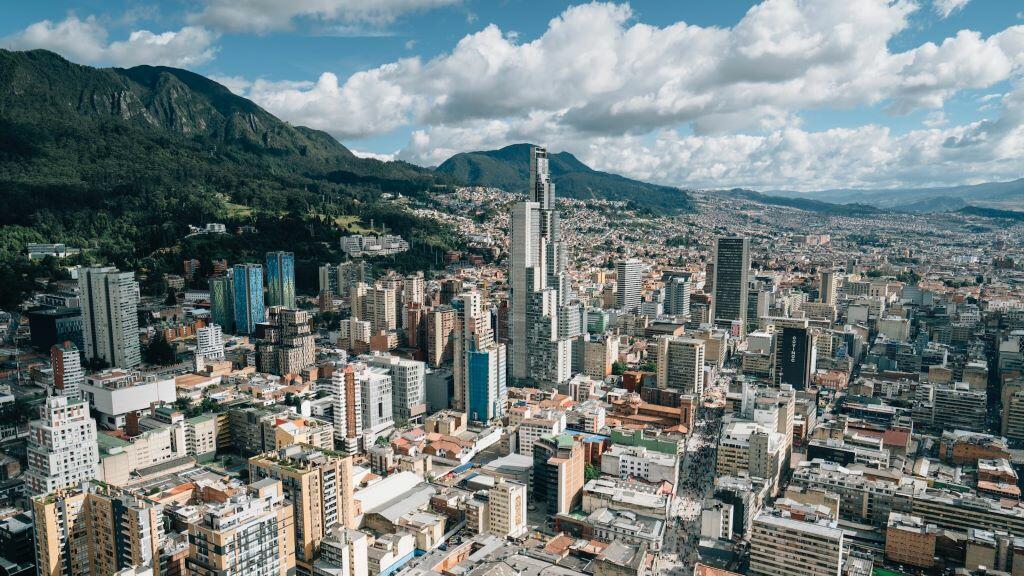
281,279
248,288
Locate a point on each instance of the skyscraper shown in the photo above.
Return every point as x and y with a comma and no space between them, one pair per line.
681,364
677,295
110,322
795,357
62,448
408,386
247,280
67,370
627,277
732,266
281,279
222,310
540,351
829,287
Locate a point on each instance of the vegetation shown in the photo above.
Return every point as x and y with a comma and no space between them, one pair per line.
120,163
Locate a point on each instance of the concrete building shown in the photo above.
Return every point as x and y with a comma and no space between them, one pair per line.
408,386
910,541
731,283
751,449
629,284
68,375
375,390
681,364
110,321
783,546
346,407
507,509
62,448
677,295
558,467
247,533
113,394
639,462
319,486
343,552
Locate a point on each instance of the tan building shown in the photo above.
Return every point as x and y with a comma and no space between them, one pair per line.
781,546
97,531
507,514
908,540
244,534
558,465
319,486
440,325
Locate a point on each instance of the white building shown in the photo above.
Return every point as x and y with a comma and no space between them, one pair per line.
681,364
62,448
547,423
209,344
343,552
376,389
68,375
782,546
110,323
408,385
507,510
639,462
112,394
628,284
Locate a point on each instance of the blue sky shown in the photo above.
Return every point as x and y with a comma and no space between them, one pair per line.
798,94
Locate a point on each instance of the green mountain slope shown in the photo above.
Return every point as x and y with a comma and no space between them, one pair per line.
509,169
805,204
121,161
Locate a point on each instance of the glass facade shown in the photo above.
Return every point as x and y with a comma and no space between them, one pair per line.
248,290
222,310
281,279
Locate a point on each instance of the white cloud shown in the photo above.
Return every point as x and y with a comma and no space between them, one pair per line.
946,7
375,155
85,40
268,15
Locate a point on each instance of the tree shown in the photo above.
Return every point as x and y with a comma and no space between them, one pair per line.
591,472
160,352
618,368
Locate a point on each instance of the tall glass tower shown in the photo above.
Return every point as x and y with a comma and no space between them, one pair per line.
222,309
281,279
248,290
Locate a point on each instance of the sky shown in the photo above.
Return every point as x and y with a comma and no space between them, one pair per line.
770,95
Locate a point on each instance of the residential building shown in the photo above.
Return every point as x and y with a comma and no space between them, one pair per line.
68,375
408,385
785,546
62,448
110,321
507,509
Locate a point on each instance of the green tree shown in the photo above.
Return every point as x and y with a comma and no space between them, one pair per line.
591,472
160,352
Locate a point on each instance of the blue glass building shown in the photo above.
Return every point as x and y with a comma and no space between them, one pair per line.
222,309
248,288
281,279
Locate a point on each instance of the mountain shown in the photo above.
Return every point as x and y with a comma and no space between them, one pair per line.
806,204
509,169
1000,195
121,161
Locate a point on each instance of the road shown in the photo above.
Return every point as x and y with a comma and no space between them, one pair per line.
696,483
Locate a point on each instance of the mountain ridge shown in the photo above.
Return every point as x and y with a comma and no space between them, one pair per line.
509,167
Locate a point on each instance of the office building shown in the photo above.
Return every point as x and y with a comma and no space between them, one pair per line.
222,309
209,344
68,375
486,389
375,390
50,325
828,287
408,385
319,486
795,357
677,295
110,321
472,332
62,449
95,530
558,466
909,541
629,284
281,279
681,364
785,546
245,534
751,449
247,281
540,351
731,282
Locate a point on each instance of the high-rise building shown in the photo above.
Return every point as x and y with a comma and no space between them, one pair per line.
677,295
829,287
222,309
486,386
507,510
281,279
558,467
95,530
375,389
68,375
408,385
629,284
318,485
732,268
245,534
209,344
62,448
541,352
191,268
440,326
110,321
795,357
247,280
347,408
681,364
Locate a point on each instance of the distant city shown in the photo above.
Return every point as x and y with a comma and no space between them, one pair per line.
470,288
